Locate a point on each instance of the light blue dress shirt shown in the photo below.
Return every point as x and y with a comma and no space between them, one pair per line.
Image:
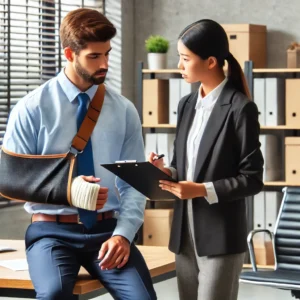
44,122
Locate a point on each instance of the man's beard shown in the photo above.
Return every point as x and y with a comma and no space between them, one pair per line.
88,77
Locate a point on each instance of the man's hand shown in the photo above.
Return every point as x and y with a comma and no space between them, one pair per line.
114,253
103,192
184,189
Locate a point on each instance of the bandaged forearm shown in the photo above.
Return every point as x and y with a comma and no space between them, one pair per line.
84,194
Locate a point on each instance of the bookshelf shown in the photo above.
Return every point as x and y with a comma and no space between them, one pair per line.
250,74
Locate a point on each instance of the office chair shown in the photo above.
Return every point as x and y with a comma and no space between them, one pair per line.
286,247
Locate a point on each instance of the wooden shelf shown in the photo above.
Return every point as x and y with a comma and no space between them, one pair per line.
269,70
283,70
280,127
163,71
279,183
159,126
275,183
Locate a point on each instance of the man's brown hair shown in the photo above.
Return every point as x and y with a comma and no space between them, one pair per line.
84,25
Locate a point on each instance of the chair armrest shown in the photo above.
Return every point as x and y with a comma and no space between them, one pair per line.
251,248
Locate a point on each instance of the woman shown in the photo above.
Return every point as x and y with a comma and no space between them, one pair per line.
218,163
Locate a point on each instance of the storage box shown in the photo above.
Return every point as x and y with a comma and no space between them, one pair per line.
292,102
264,254
157,227
155,102
248,42
292,162
293,56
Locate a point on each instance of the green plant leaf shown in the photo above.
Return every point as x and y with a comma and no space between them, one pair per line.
156,44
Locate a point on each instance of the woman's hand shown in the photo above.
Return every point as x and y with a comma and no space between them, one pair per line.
184,189
159,163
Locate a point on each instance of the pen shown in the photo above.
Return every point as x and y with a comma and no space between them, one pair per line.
159,157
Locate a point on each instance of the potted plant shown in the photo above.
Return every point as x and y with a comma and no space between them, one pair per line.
157,48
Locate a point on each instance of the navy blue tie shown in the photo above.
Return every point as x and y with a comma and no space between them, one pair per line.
85,161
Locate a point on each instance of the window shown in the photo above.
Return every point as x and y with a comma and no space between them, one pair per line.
30,50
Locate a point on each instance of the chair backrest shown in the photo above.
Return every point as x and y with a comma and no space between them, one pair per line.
287,231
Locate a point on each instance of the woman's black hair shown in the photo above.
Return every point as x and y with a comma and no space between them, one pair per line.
207,38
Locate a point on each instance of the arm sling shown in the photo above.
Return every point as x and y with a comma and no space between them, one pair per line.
47,178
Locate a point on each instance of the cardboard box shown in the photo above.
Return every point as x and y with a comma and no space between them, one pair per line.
293,56
155,102
264,254
248,42
157,227
292,162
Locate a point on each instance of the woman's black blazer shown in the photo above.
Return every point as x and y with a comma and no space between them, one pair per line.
229,156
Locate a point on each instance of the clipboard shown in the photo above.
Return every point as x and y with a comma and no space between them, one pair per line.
144,177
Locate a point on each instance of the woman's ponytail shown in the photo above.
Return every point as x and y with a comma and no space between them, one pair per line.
236,76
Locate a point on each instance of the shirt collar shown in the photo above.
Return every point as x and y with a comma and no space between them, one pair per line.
71,90
210,98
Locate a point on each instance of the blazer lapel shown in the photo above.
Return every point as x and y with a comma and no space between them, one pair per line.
213,127
182,135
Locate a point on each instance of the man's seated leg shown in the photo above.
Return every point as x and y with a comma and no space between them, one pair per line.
133,281
53,269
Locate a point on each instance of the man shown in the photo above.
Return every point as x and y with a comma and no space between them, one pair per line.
45,122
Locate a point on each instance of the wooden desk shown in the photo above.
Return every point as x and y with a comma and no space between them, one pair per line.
160,261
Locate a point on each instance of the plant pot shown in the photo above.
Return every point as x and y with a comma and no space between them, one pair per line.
157,61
